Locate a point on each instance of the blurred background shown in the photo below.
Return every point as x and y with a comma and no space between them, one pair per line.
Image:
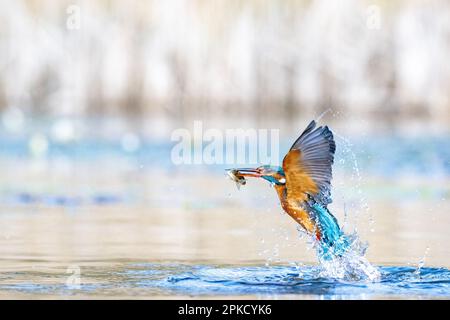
384,62
90,92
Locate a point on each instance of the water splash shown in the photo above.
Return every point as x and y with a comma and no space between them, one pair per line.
349,265
347,159
342,256
422,261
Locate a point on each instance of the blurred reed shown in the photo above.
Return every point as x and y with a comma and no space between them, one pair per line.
179,60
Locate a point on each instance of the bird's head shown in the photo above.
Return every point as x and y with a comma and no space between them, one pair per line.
273,174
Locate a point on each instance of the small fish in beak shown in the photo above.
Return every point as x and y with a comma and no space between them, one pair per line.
234,175
239,175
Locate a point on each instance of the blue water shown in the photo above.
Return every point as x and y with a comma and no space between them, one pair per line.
428,155
279,280
149,279
27,198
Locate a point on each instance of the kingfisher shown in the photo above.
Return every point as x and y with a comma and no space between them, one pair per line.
303,185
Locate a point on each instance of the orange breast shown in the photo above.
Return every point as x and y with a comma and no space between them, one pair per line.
294,209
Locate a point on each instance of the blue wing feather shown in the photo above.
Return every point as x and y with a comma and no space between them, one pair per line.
317,149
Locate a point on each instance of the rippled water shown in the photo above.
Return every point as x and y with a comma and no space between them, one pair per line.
294,280
162,280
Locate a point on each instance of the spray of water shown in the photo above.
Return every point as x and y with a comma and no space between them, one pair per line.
351,264
346,259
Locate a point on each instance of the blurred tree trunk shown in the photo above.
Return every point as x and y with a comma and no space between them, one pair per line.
290,100
43,87
134,99
177,108
3,99
260,110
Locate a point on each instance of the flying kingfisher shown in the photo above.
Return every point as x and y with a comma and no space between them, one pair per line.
303,185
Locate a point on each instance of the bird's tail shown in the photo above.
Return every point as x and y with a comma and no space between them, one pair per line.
332,241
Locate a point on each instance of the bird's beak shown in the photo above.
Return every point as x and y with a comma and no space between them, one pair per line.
248,172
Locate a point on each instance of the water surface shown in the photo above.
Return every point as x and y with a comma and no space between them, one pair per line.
156,280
